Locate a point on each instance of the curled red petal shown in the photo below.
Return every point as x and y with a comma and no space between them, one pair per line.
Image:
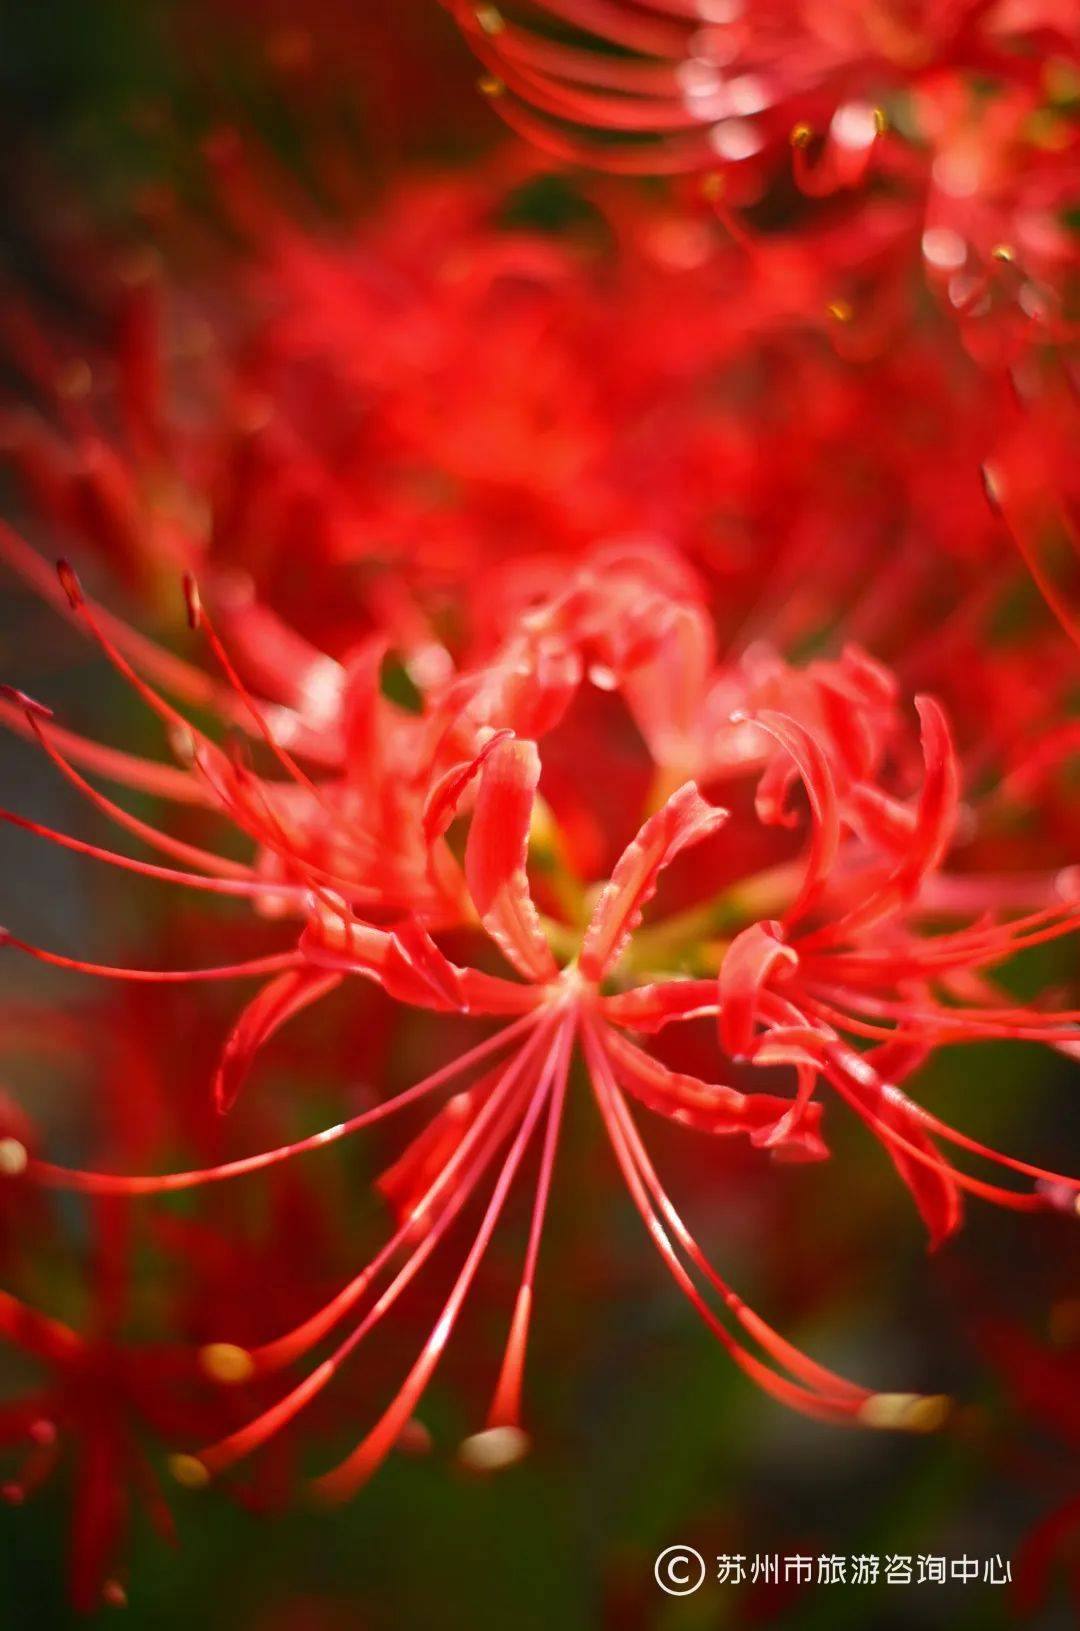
754,957
663,1002
409,966
276,1003
931,831
685,819
712,1107
441,804
495,857
938,801
812,763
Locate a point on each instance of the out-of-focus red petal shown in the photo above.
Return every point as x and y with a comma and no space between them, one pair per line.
442,802
99,1516
416,1169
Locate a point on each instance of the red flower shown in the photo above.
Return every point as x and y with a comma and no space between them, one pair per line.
434,823
692,82
100,1397
443,391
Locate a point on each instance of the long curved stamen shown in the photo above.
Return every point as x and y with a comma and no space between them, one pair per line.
179,677
1014,1200
963,1141
982,944
161,841
348,1476
218,1457
482,1138
206,859
616,24
108,971
126,769
157,704
172,717
203,749
505,1409
799,1364
678,155
249,887
226,1452
551,58
912,1022
266,828
838,1407
102,1183
199,618
275,836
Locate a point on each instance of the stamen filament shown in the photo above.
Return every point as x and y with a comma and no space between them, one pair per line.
103,1183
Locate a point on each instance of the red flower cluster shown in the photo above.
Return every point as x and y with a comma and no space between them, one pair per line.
449,390
941,135
438,821
625,657
661,86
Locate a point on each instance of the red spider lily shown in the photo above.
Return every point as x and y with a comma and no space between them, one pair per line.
661,87
693,81
435,823
635,375
100,1398
106,1402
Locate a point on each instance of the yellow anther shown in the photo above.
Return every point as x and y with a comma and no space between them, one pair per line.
189,1471
225,1362
493,1449
490,19
713,185
881,121
802,134
490,86
13,1157
906,1412
841,311
1003,252
183,744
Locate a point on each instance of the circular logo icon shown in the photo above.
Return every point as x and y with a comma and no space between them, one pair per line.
679,1570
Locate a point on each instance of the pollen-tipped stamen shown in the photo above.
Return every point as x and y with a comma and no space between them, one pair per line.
350,1474
827,1404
